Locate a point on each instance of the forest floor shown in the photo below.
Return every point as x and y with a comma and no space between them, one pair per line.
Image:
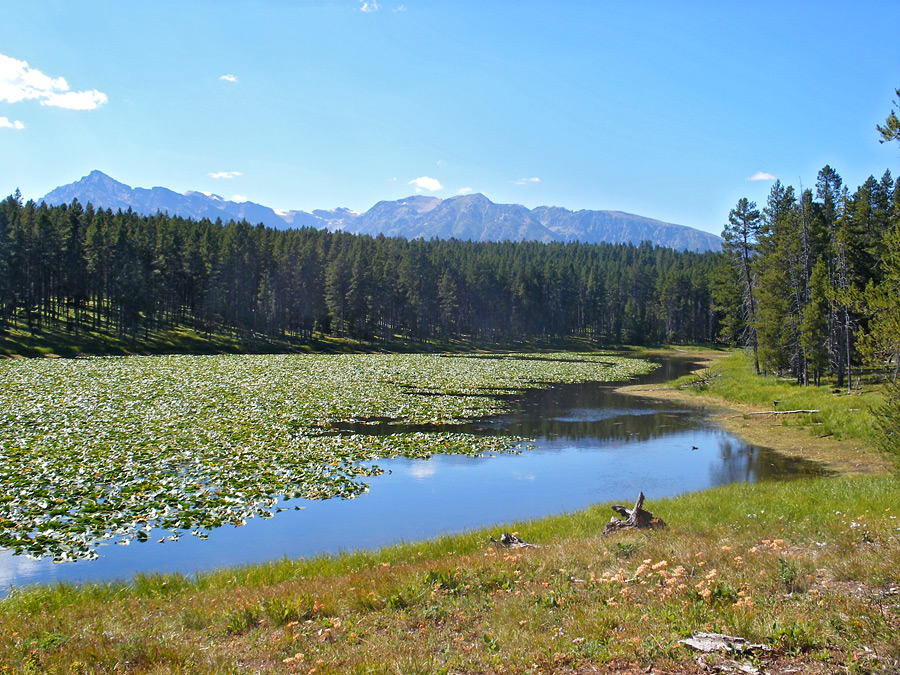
807,571
57,341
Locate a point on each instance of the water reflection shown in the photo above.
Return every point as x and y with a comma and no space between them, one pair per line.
592,445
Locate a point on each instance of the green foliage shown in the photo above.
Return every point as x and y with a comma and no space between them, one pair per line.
111,448
891,129
814,323
888,420
75,270
839,414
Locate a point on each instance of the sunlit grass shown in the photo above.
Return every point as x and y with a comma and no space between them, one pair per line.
840,413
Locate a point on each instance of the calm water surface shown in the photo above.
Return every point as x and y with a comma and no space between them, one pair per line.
592,445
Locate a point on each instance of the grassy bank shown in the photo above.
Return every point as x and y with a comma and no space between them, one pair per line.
809,568
840,435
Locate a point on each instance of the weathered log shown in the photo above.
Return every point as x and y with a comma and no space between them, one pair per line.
511,541
635,518
782,412
711,642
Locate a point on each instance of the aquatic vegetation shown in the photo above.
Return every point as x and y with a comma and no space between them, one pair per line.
102,448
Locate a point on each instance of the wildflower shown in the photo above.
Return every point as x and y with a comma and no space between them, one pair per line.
662,564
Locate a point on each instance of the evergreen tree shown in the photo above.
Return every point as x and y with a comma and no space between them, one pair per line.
741,235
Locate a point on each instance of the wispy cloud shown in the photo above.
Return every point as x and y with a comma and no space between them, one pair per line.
527,181
400,8
464,191
761,175
239,198
6,123
369,6
228,77
426,183
224,174
20,82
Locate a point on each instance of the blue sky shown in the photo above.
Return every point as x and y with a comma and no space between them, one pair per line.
664,109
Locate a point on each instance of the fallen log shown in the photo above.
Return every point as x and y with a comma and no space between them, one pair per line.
782,412
635,518
511,541
711,642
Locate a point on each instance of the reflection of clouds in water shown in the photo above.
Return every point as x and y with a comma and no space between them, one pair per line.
522,476
16,568
595,415
420,469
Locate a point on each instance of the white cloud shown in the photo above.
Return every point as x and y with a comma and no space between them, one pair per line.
400,8
239,198
20,82
527,181
224,174
6,123
426,183
228,77
368,6
464,191
421,469
76,100
761,175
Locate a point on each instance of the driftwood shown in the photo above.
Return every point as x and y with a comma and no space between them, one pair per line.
635,518
511,541
782,412
713,642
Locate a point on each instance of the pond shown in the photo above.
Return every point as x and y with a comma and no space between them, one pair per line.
592,444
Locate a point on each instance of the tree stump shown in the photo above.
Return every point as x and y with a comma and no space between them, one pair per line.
511,541
635,518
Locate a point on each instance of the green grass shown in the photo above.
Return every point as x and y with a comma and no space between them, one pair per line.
840,413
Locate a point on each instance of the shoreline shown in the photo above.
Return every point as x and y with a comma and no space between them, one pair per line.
843,456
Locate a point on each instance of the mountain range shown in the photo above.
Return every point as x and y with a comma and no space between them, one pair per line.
468,217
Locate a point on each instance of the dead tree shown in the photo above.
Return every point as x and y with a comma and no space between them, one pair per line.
636,518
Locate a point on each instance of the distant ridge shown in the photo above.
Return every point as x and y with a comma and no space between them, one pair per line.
469,217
